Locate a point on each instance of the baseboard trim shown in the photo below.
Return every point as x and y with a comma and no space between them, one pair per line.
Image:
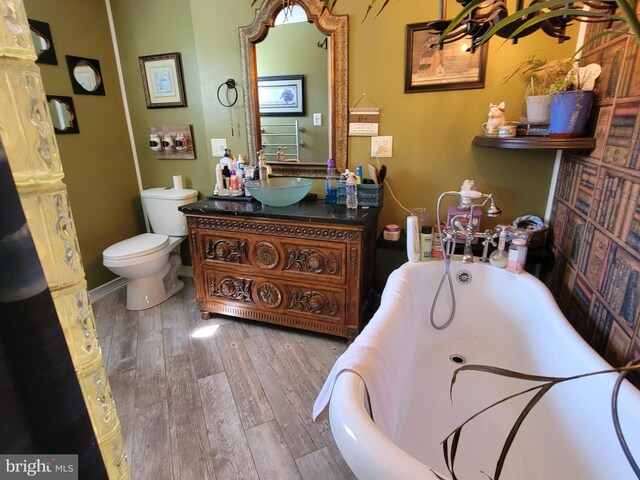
107,288
185,271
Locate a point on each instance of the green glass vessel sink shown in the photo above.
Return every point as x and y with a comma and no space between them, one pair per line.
280,192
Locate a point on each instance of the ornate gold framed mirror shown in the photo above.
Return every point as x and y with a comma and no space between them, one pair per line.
333,28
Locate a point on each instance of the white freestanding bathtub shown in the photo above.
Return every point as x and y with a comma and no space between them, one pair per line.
503,320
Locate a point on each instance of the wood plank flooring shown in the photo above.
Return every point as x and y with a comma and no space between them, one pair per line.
219,398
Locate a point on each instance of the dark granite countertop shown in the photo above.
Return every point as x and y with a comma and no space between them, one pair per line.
312,212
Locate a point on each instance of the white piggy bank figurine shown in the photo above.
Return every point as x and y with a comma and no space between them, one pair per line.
495,120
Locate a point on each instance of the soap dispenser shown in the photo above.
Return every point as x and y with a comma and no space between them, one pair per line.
499,258
226,159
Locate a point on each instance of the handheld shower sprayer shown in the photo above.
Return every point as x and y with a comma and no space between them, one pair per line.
468,198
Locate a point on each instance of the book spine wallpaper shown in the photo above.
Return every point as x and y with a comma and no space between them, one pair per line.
595,221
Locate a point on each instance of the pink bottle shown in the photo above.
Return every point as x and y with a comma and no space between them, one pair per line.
517,255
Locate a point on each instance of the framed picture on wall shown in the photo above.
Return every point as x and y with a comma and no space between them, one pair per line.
162,80
281,96
428,68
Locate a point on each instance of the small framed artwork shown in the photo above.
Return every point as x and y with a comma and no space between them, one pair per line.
162,80
281,96
429,68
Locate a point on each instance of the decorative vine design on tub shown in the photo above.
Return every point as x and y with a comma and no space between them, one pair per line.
231,251
311,260
233,288
312,301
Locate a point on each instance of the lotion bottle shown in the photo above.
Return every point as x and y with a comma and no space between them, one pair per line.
499,258
219,179
413,239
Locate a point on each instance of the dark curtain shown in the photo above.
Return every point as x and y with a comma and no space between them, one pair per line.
42,410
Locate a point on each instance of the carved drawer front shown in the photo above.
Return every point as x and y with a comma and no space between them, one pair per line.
321,261
317,302
266,294
228,286
223,248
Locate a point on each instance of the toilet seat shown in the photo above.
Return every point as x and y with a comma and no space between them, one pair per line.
136,247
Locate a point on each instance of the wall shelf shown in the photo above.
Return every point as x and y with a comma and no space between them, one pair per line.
536,143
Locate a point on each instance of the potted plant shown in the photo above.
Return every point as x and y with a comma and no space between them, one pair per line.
541,78
559,84
571,99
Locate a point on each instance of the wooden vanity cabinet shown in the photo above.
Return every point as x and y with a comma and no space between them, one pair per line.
299,272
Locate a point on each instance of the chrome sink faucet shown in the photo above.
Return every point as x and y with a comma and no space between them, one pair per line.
461,225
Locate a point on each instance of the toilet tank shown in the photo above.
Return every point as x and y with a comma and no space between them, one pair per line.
161,205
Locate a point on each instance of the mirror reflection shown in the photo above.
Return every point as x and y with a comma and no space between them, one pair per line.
305,122
293,90
86,76
42,42
63,115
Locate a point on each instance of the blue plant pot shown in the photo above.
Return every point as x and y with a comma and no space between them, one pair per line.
569,113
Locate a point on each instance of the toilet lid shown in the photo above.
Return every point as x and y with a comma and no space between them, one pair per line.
137,246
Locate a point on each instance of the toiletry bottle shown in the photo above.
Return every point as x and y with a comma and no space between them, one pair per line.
240,163
413,239
517,254
331,186
219,180
226,159
248,177
351,188
264,168
426,243
436,246
234,180
226,177
499,258
359,174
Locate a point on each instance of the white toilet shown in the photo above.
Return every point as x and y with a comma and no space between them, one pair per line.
146,260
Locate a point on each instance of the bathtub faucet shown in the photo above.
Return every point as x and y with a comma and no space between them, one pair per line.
461,225
490,239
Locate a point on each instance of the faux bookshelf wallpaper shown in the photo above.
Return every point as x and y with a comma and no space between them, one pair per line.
595,222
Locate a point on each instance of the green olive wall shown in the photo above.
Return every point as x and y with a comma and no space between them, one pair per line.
98,162
432,131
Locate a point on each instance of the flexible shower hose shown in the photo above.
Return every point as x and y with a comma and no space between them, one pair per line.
446,274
